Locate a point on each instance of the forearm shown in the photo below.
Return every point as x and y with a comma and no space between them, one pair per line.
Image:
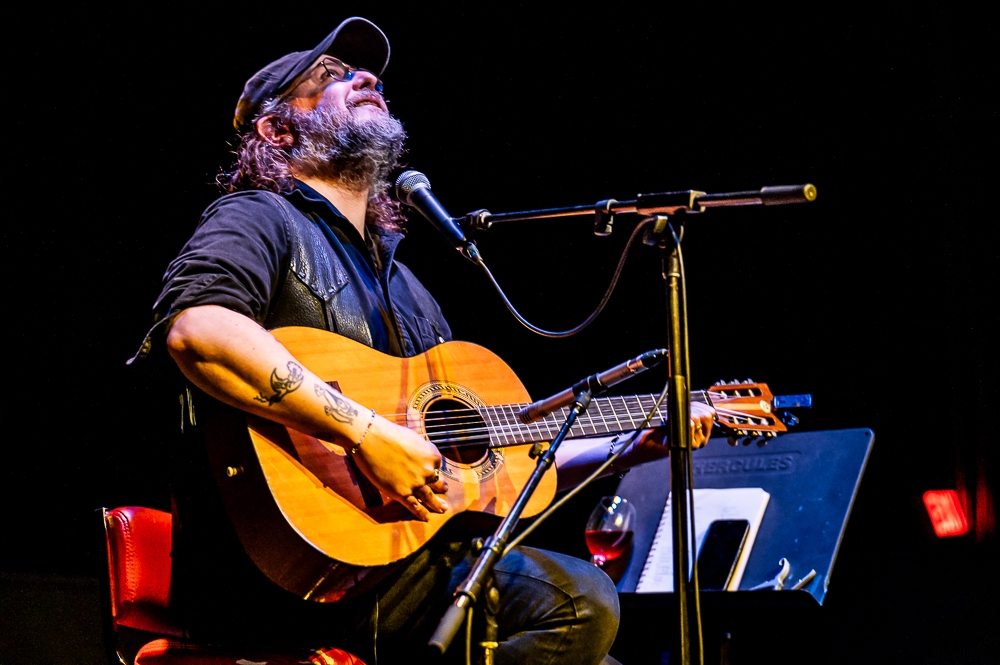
236,361
578,458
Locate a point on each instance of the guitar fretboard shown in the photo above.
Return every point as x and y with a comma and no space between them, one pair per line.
605,415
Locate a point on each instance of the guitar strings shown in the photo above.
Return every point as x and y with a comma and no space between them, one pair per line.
445,419
475,427
606,409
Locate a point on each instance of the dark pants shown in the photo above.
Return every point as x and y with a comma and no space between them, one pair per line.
553,609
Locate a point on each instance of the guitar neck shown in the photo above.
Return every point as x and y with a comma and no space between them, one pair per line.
605,415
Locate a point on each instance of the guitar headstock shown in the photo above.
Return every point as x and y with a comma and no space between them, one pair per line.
746,410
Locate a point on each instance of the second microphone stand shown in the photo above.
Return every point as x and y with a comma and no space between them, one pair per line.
480,578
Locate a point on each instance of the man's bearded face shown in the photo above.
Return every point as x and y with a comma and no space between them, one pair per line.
356,150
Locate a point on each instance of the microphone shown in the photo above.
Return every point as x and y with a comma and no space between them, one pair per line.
596,382
413,189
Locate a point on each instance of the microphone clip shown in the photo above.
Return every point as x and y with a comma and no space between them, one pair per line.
477,220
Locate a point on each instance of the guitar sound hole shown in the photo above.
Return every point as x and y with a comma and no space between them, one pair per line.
458,431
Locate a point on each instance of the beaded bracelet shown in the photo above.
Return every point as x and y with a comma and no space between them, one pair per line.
357,446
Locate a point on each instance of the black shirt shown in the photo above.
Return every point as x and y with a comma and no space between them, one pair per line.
242,249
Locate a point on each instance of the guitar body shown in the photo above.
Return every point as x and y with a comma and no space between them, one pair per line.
321,496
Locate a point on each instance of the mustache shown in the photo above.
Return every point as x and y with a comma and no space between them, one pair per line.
364,96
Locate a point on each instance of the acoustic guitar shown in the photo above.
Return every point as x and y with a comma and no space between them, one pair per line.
315,525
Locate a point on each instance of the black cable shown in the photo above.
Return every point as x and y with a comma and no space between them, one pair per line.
586,322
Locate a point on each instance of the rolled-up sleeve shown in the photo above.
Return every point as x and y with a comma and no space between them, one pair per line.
235,259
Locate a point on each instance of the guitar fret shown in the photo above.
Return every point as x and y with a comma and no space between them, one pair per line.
609,416
550,427
601,410
589,418
509,434
491,425
660,414
538,435
547,423
488,419
578,428
628,413
517,428
502,425
520,431
634,410
643,404
642,409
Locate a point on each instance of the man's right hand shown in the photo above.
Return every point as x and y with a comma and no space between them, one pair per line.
404,466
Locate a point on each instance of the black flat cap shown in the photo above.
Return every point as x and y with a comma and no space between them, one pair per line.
356,41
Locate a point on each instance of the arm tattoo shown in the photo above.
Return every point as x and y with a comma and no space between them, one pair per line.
336,406
282,386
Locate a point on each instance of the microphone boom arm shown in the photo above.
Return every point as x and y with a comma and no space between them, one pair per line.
663,203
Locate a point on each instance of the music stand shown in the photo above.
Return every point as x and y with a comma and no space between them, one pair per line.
812,477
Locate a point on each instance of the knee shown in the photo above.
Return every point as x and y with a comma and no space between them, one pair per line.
597,600
584,593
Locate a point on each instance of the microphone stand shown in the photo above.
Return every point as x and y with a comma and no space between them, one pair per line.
480,578
657,207
679,415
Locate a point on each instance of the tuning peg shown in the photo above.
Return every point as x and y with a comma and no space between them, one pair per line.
719,383
731,440
750,381
761,441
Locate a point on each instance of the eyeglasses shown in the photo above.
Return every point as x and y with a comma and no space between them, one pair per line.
332,68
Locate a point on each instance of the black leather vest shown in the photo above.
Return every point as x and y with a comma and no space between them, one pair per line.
315,290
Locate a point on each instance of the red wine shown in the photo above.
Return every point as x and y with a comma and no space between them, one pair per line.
608,544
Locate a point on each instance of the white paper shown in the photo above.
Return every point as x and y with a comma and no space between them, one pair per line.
735,503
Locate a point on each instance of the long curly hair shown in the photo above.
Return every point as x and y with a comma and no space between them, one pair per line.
326,144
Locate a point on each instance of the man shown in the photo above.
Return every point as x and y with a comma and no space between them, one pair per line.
306,237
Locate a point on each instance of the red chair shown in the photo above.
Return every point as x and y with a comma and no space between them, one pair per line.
137,599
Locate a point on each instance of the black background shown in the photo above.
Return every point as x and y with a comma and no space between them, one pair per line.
877,298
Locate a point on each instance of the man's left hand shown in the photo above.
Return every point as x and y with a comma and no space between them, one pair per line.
652,444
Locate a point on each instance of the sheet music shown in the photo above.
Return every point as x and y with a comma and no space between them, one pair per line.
747,503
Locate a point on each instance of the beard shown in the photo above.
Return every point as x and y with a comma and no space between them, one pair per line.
358,153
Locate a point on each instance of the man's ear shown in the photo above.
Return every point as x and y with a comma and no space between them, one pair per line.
272,130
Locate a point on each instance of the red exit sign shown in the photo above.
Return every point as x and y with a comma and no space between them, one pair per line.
947,516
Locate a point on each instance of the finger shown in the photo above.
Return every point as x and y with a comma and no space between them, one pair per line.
414,506
701,430
439,486
697,433
431,501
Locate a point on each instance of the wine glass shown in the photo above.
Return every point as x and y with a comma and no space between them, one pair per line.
609,529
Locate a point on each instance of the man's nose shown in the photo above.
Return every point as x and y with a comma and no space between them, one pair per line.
363,80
